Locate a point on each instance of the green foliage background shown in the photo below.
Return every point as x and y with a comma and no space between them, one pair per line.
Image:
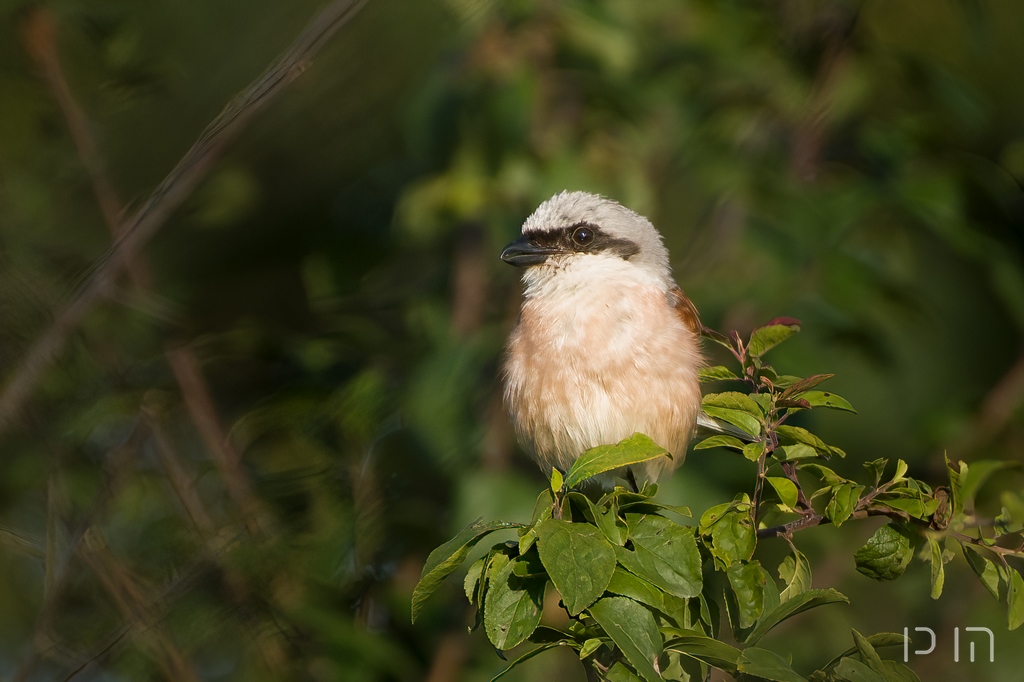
853,164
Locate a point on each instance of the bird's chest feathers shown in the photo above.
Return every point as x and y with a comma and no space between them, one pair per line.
591,323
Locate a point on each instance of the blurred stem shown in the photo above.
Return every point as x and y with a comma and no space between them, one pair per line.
118,462
41,43
810,133
997,409
135,231
123,587
195,393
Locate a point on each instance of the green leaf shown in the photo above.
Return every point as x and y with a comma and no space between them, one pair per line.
844,500
717,337
901,469
785,489
877,640
886,554
976,475
717,373
473,579
767,665
733,400
852,670
790,453
955,472
1015,598
796,571
636,588
557,480
664,553
741,420
827,476
579,561
791,607
733,537
620,673
938,573
633,450
634,631
443,561
604,517
763,339
705,649
719,442
747,581
877,467
752,451
792,435
897,672
991,573
590,646
796,386
826,399
530,654
868,655
512,607
912,502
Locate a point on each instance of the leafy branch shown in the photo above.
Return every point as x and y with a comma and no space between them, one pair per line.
647,596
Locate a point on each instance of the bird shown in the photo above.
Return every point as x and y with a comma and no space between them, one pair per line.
606,344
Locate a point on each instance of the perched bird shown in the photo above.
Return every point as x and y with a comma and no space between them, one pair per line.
606,344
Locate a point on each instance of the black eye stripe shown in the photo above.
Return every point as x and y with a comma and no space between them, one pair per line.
573,238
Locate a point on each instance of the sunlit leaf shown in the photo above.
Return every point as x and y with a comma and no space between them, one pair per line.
720,441
732,533
993,575
938,572
512,607
785,489
634,631
767,665
664,553
796,571
711,651
793,453
747,581
579,560
717,373
530,654
793,606
825,399
626,584
844,500
886,554
448,557
763,339
1015,599
633,450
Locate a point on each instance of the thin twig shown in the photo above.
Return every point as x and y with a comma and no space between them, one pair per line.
179,184
40,40
123,587
199,403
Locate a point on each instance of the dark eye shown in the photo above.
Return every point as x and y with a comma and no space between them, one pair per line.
583,235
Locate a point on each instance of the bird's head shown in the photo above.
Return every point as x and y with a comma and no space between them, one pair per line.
588,236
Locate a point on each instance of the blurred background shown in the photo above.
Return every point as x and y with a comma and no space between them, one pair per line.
238,463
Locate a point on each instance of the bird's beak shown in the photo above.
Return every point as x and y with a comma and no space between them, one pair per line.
523,252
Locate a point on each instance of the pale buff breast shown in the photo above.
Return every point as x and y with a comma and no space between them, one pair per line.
595,365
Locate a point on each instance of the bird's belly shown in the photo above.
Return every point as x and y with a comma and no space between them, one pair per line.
610,373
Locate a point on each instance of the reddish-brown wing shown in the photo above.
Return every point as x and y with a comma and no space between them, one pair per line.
685,309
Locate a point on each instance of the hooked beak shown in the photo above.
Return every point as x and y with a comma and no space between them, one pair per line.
523,252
